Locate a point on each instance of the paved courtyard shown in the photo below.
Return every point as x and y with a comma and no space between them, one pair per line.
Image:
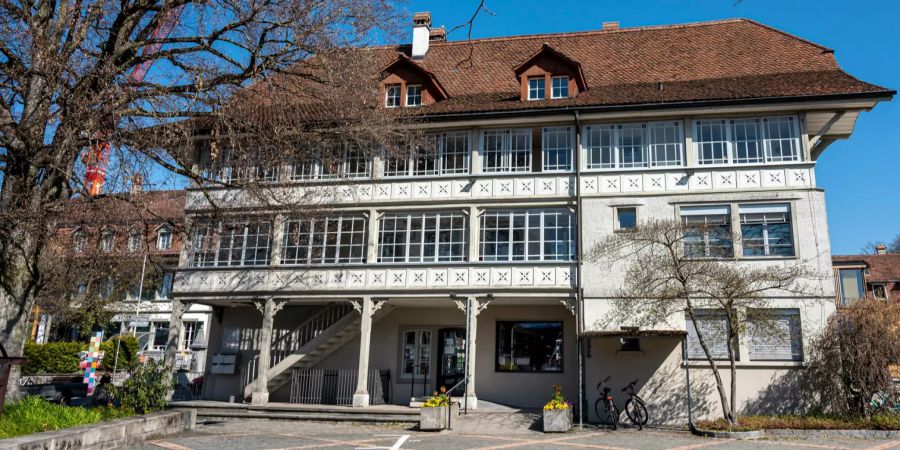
265,434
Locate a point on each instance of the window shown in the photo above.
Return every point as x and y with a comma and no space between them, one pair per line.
766,230
414,95
190,333
626,218
506,151
422,237
712,326
164,239
559,87
245,174
633,145
107,285
447,154
164,291
416,353
527,235
776,336
160,335
107,241
327,240
879,291
708,232
134,241
629,344
332,163
392,96
536,89
852,285
557,148
747,140
529,347
231,244
79,241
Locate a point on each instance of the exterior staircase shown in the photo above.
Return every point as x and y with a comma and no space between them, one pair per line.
308,344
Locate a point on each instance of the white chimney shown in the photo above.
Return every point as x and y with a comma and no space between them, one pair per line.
881,249
421,34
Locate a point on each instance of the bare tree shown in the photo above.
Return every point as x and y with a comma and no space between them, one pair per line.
67,84
851,361
672,270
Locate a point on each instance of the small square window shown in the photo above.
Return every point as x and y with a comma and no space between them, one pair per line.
392,96
630,344
560,87
414,95
536,89
626,218
879,291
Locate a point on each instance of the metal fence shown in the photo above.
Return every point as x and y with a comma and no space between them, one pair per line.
336,387
188,386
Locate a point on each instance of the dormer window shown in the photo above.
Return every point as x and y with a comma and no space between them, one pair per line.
560,88
163,239
392,96
536,89
413,95
107,241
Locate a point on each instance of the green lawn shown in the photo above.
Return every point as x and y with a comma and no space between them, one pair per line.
34,415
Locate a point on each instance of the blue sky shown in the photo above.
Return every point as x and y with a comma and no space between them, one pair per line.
860,175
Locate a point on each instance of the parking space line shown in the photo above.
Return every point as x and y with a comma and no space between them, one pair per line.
702,444
168,445
886,445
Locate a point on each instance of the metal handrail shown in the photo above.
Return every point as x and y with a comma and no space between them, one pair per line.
450,399
294,340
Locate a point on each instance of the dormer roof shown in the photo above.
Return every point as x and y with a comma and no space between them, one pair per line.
402,60
547,51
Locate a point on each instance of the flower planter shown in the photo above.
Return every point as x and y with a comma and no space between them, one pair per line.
436,418
557,420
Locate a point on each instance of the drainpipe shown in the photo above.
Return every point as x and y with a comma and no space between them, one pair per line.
579,291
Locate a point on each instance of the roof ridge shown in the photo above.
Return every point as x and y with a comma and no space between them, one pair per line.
586,32
790,35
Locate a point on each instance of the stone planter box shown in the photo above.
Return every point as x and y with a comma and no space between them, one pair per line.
557,420
435,419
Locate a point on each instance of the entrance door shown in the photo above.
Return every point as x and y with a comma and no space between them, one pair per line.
452,356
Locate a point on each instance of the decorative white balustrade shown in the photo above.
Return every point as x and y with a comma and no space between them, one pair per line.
525,186
240,281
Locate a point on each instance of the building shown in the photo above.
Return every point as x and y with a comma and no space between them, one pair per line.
872,277
124,250
546,144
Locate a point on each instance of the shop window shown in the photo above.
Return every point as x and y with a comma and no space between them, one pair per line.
529,347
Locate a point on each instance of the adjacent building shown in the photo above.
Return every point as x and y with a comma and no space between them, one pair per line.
124,249
472,261
867,277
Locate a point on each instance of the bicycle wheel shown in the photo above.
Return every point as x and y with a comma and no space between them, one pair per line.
613,417
636,412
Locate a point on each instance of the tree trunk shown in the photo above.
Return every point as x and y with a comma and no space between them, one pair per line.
732,339
720,386
14,319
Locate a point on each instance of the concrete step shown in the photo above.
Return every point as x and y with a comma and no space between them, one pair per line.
374,414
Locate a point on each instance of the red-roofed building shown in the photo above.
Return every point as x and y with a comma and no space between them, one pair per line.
870,277
546,144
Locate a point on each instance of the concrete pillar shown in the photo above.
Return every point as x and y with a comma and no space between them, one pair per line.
366,308
474,307
372,244
268,309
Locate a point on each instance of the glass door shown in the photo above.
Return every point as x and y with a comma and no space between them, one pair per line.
452,357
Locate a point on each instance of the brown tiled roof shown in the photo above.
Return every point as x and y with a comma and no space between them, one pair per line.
147,206
882,268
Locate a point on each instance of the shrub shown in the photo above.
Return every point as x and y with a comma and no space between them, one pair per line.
820,422
54,357
850,361
62,357
146,389
35,415
438,399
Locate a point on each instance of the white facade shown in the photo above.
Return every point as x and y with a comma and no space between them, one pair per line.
523,293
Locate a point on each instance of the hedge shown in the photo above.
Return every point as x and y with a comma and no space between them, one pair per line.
62,357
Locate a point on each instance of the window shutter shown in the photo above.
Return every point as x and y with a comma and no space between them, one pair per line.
779,339
712,326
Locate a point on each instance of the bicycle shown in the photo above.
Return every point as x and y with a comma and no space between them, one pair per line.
635,407
610,414
883,402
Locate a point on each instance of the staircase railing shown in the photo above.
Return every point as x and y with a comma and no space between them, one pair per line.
292,341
